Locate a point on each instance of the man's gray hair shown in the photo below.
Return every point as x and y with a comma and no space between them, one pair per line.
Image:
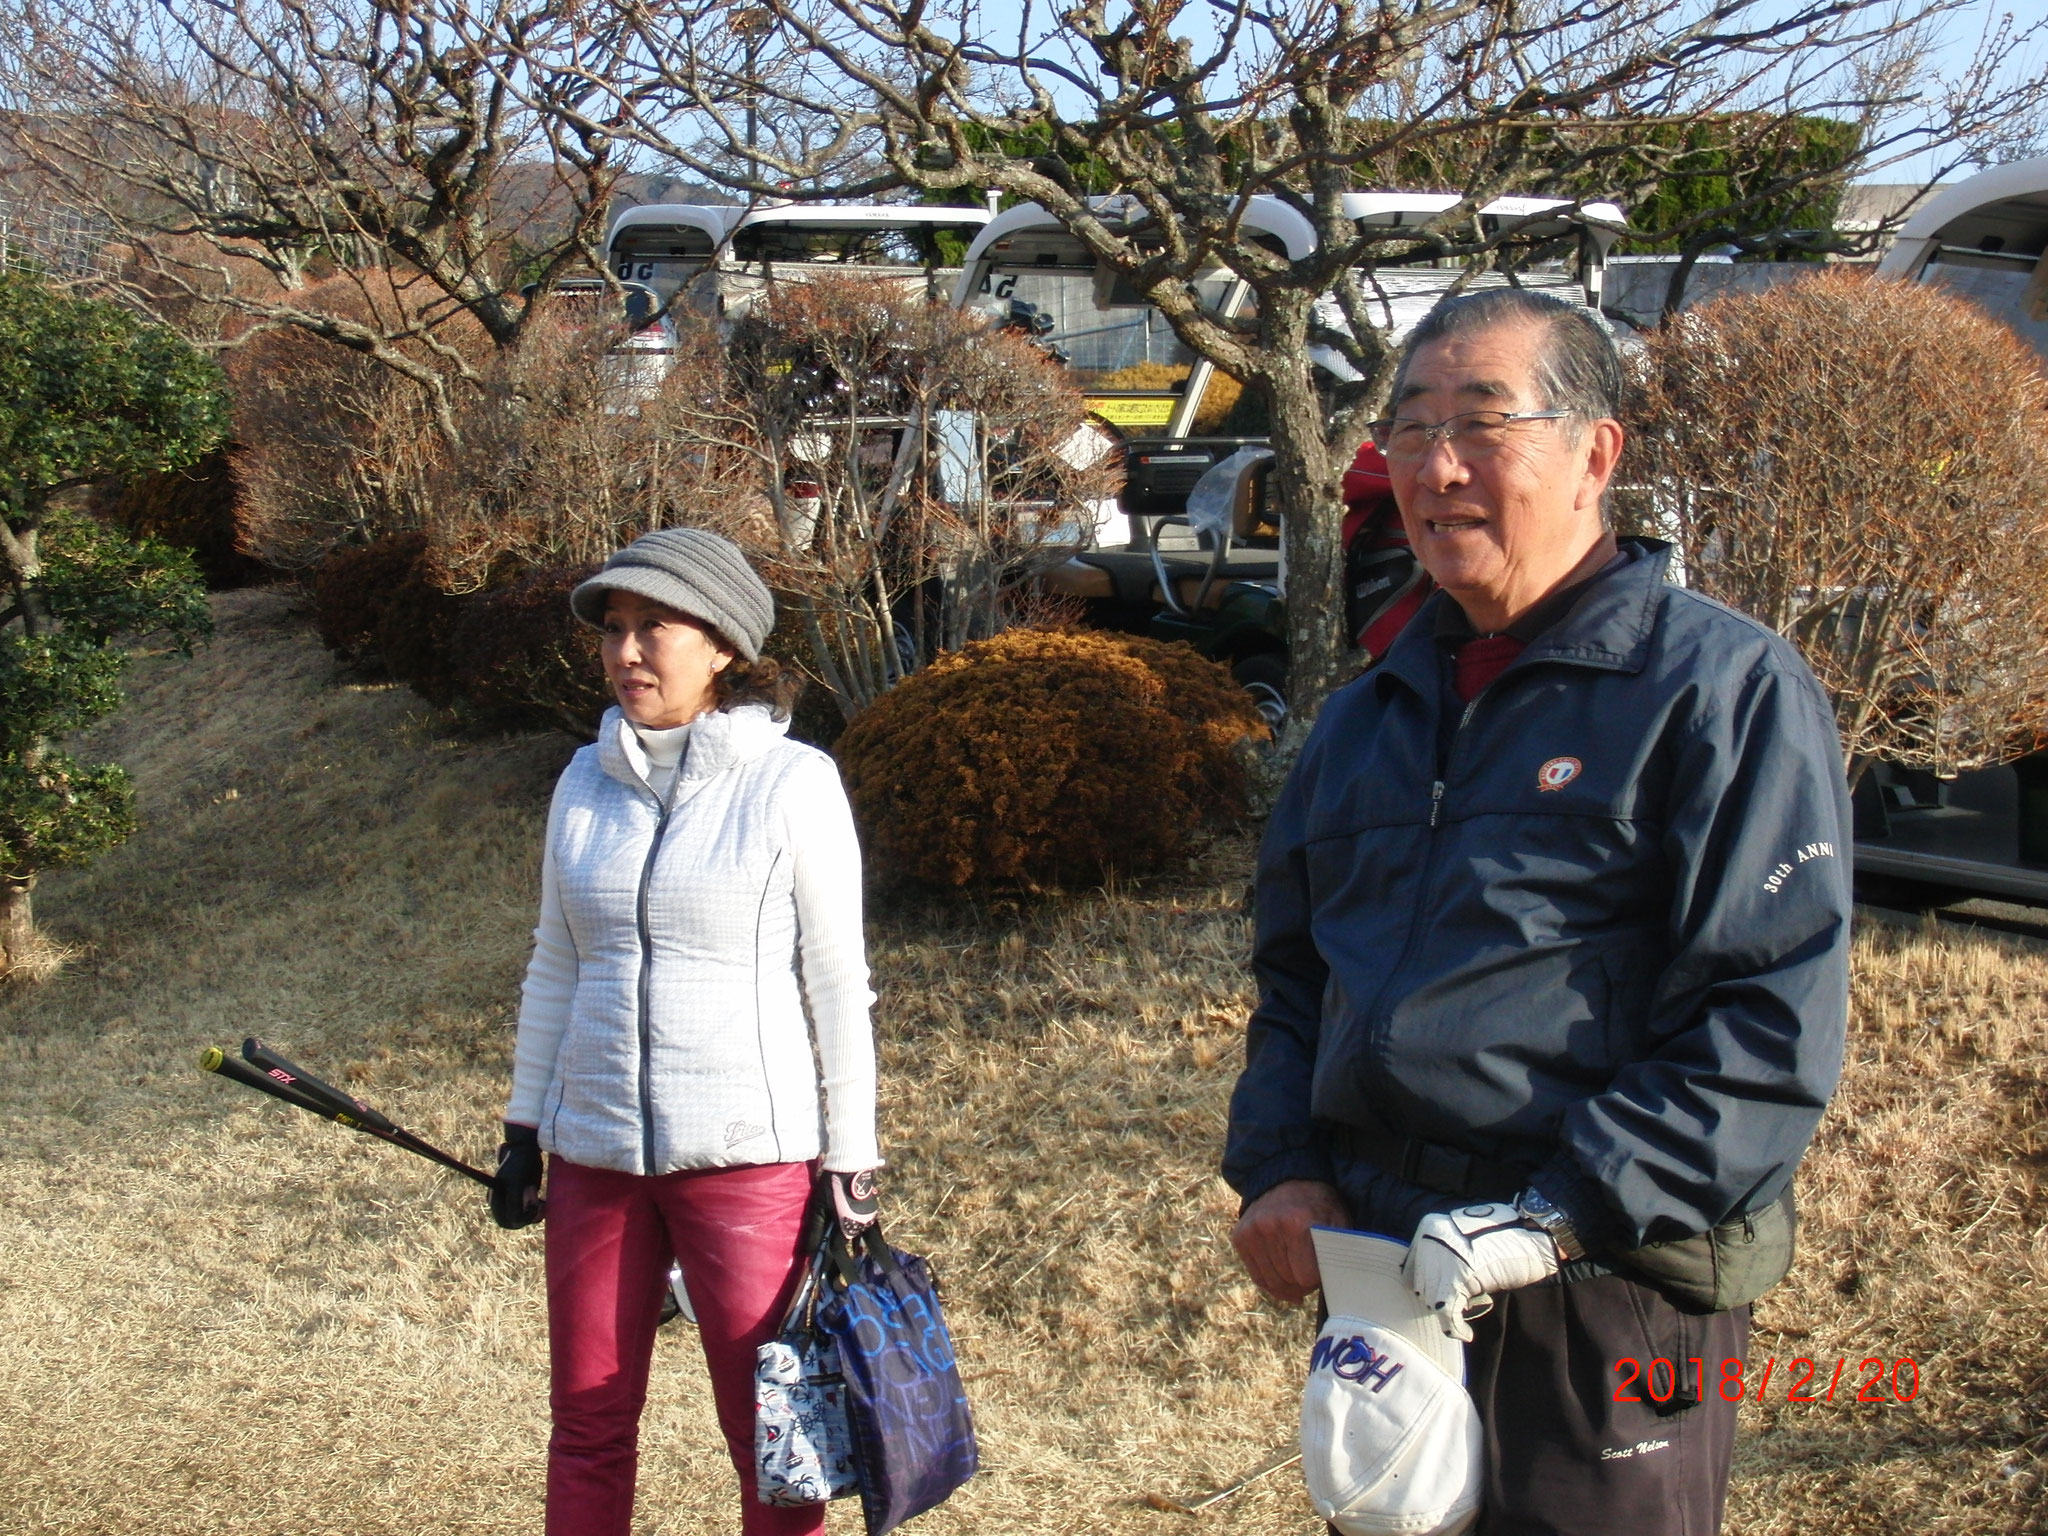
1577,368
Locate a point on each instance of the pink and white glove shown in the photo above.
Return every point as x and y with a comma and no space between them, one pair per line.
854,1201
1460,1258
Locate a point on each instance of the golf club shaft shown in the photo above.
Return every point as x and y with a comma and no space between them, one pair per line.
346,1107
218,1061
278,1065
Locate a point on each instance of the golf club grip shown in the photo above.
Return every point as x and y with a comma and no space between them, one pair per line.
217,1060
264,1059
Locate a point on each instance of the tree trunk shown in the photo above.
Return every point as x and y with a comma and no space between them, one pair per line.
17,922
1306,479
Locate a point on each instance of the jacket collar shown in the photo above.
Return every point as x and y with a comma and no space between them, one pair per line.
1607,628
718,741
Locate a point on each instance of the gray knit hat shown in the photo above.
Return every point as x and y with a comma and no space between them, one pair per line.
693,571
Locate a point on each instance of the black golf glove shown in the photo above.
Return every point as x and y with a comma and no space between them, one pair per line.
515,1191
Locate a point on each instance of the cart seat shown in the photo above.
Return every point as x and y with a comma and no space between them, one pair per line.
1127,576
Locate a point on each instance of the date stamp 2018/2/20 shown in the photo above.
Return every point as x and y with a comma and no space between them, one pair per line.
1874,1380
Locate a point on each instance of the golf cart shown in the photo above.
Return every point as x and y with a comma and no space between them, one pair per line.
1192,549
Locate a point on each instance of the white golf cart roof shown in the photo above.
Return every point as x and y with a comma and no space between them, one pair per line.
1396,210
700,229
1986,240
1267,216
1296,235
2006,205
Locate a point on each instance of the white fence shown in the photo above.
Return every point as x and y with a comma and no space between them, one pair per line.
50,238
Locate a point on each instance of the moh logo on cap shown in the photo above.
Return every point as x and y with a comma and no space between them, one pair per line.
1558,772
1352,1359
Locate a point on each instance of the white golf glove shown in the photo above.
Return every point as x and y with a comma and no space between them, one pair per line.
1460,1258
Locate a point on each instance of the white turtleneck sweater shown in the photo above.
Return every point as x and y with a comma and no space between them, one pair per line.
664,749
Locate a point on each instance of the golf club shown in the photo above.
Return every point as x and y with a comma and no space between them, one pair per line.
346,1106
289,1072
1195,1506
293,1087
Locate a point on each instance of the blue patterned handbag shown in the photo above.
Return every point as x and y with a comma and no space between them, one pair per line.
803,1447
913,1435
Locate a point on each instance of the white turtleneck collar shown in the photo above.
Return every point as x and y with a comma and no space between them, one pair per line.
664,749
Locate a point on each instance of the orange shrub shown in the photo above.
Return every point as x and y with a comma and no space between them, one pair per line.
1047,757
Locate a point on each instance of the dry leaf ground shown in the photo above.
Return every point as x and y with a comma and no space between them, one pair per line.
218,1315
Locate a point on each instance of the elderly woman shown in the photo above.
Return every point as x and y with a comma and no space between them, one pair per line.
694,1042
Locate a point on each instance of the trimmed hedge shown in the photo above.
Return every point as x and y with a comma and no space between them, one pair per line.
518,657
354,587
513,658
415,631
1045,758
198,509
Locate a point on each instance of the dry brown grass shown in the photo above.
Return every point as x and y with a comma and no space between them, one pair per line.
219,1316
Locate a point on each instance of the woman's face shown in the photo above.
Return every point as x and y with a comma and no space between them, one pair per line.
660,663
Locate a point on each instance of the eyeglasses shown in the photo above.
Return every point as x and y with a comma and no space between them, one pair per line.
1471,433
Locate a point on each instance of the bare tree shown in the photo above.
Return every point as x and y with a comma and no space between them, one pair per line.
560,453
243,150
919,470
1189,112
1863,465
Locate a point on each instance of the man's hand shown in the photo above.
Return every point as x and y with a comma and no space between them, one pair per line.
1271,1237
1460,1258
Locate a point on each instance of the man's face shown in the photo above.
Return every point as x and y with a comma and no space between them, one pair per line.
1498,529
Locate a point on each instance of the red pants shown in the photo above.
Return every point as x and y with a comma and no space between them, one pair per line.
610,1237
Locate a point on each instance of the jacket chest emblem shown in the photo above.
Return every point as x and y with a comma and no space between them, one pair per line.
1558,772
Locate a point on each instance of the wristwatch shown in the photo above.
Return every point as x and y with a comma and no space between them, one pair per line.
1540,1213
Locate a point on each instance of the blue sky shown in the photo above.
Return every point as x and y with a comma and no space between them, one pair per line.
1959,35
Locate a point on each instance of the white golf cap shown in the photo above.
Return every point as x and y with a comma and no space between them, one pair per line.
1361,1276
1390,1440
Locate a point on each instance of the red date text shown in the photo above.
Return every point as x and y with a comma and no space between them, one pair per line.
1870,1380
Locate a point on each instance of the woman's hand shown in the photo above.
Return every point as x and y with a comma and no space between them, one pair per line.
855,1200
515,1190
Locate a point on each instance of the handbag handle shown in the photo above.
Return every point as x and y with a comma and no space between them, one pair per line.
848,1267
806,1291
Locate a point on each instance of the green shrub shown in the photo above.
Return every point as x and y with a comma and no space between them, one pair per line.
518,657
88,392
1044,758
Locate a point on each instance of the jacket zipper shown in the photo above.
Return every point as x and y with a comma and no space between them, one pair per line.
1436,790
1376,1039
647,986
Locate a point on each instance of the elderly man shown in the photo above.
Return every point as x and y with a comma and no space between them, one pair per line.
1553,928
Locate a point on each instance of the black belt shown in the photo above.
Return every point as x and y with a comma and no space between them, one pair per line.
1446,1170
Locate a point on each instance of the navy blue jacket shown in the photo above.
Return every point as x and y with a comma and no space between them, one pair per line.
1594,926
